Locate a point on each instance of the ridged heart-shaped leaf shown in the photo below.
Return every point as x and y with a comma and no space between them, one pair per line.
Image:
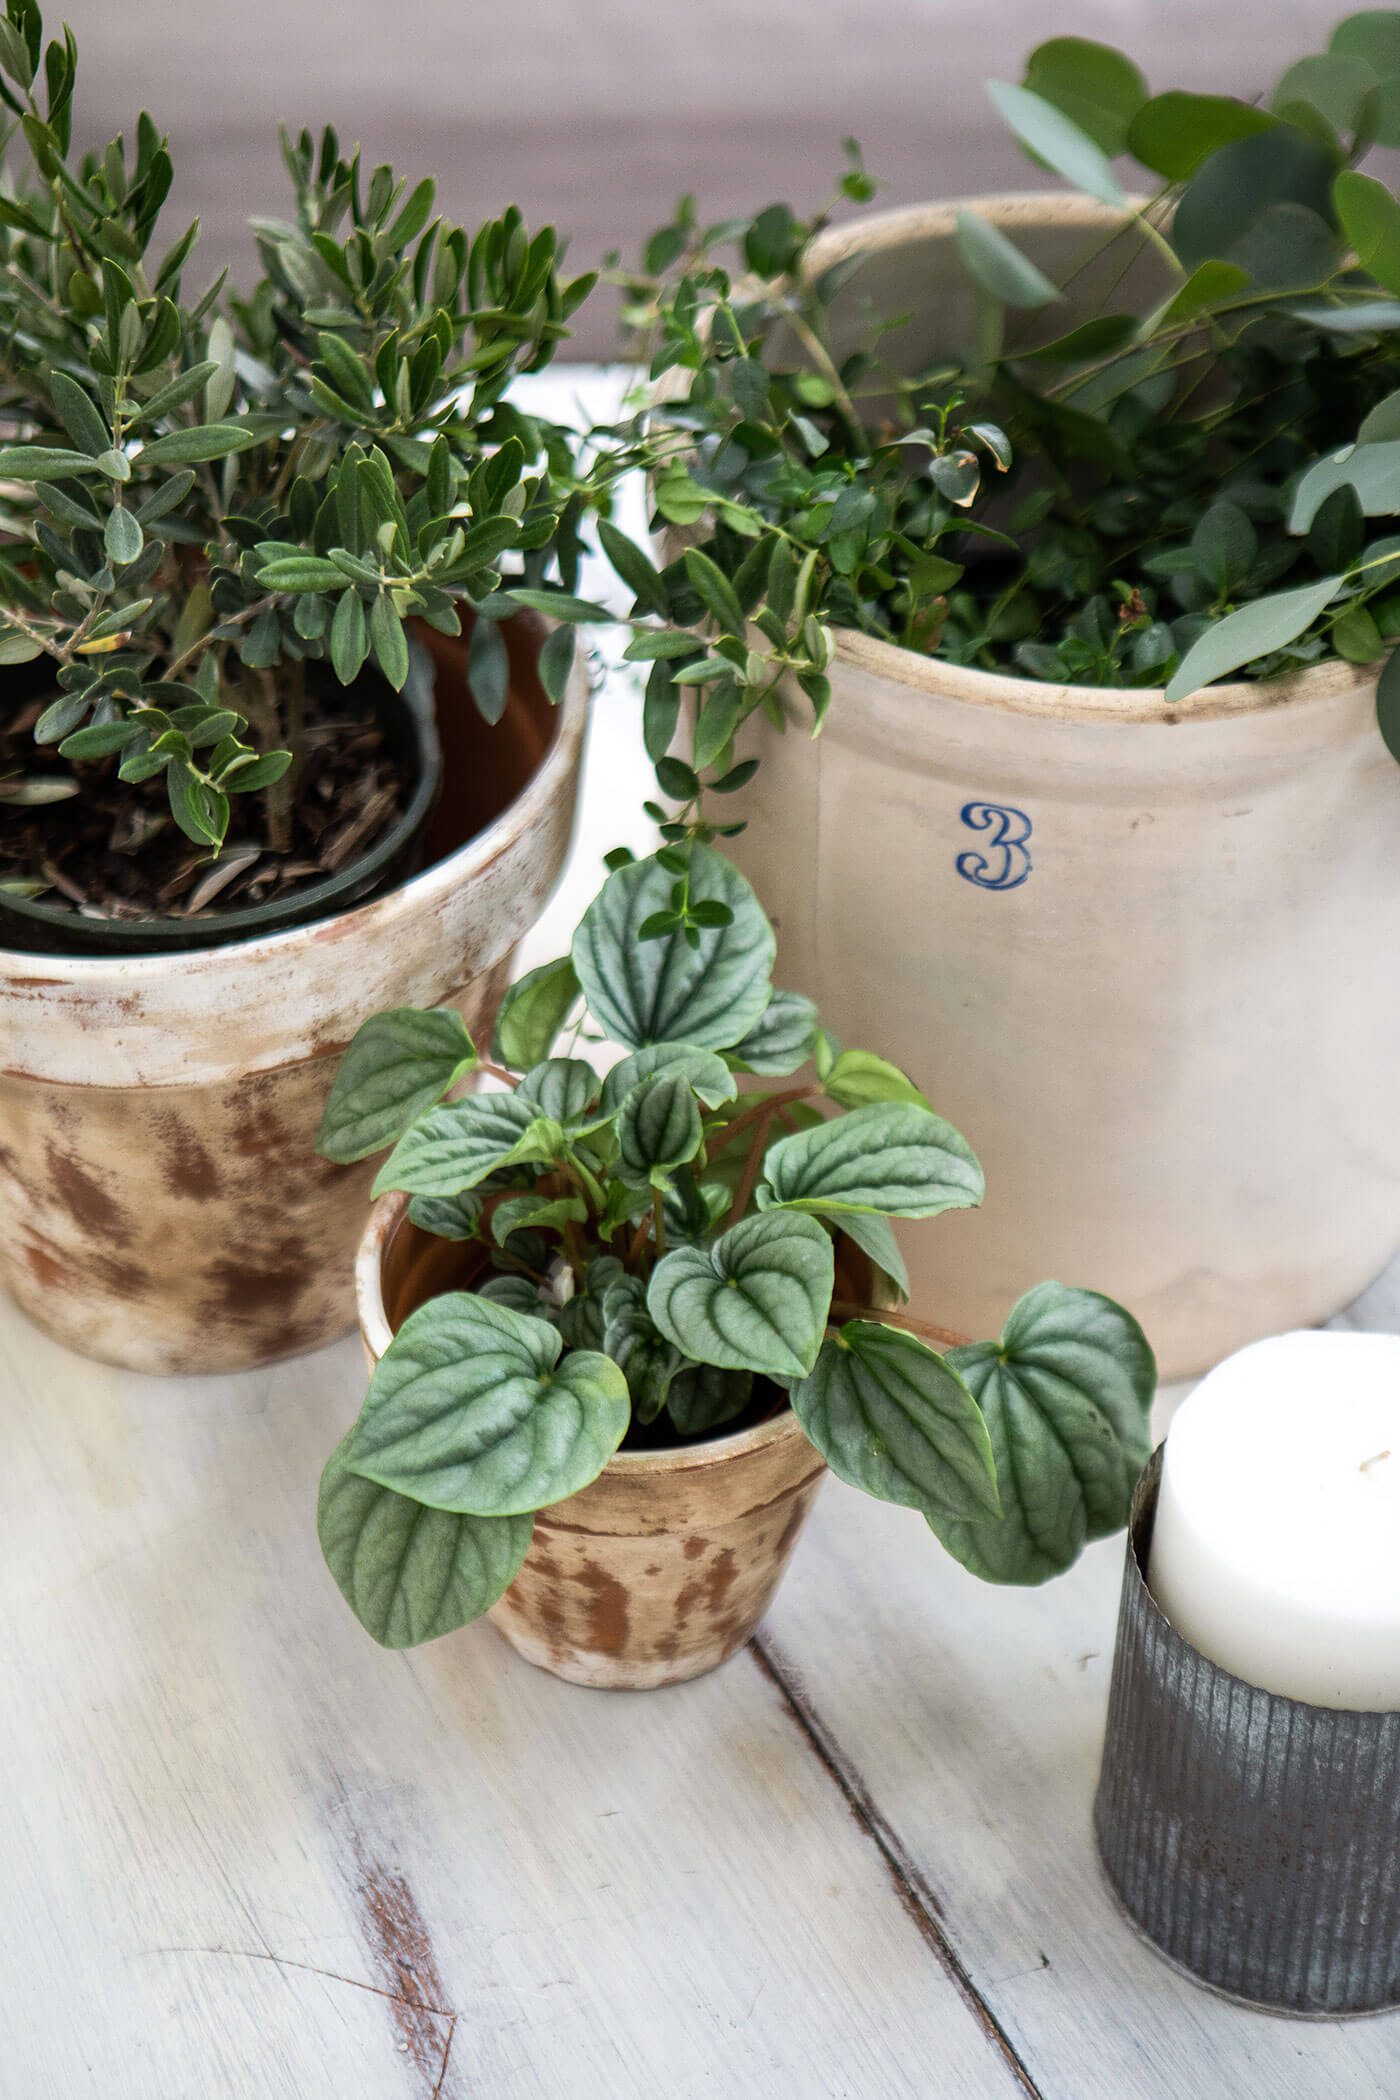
397,1065
756,1300
471,1409
703,1398
663,989
408,1573
782,1038
646,1359
890,1416
1066,1395
562,1088
893,1157
658,1127
454,1147
706,1072
532,1013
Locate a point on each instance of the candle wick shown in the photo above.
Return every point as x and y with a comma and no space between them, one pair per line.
1367,1463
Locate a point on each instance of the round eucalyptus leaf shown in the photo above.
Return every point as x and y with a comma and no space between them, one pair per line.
893,1157
999,266
658,1127
1339,87
705,1071
661,989
892,1417
781,1040
1066,1395
454,1147
756,1300
471,1409
397,1065
408,1573
533,1011
1254,630
1388,705
1175,133
1098,88
703,1397
1240,180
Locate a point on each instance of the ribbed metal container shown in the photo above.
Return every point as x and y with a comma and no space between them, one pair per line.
1254,1839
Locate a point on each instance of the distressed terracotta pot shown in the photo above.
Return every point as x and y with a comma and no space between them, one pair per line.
1135,952
164,1208
660,1569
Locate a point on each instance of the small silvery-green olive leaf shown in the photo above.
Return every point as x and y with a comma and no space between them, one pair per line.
1256,629
646,1359
561,1087
658,1128
875,1238
782,1038
1052,137
1066,1395
859,1077
535,1213
408,1573
665,990
705,1071
891,1417
397,1065
757,1300
893,1157
703,1398
999,266
532,1013
471,1409
455,1146
447,1217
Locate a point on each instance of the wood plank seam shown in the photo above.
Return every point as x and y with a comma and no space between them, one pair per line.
918,1899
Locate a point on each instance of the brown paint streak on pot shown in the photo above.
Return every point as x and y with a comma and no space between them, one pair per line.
163,1108
666,1563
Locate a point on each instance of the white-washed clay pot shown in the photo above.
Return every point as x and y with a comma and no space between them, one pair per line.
164,1207
1141,955
663,1566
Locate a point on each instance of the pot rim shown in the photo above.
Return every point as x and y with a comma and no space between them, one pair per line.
374,919
385,1217
877,233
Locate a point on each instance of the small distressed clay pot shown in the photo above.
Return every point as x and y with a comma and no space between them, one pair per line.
164,1207
660,1569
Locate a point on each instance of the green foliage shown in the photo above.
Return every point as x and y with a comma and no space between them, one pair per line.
1102,494
655,1243
204,492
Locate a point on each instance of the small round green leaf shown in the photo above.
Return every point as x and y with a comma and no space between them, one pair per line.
663,989
1098,88
1066,1395
408,1573
471,1409
893,1157
1175,133
892,1417
757,1300
397,1065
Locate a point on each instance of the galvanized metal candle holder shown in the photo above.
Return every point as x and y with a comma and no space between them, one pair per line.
1252,1838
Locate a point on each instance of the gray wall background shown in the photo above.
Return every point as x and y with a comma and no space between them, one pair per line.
596,114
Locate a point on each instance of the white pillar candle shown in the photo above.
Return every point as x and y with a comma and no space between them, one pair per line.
1276,1546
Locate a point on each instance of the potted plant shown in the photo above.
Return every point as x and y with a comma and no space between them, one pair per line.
1008,487
252,558
619,1324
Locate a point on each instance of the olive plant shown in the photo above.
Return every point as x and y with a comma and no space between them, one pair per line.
656,1242
1093,489
200,494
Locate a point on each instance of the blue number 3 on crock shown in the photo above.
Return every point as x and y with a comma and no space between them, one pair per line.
1004,863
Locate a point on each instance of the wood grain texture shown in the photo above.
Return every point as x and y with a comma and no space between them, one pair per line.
248,1853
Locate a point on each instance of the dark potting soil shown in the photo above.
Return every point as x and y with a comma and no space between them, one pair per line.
113,850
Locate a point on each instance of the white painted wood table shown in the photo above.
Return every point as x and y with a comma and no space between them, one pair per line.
247,1855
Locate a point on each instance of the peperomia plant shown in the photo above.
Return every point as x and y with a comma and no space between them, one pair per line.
201,496
656,1254
1156,488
